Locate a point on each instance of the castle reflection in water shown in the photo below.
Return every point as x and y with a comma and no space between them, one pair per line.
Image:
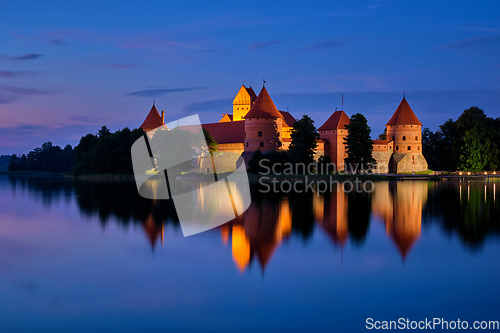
465,210
399,206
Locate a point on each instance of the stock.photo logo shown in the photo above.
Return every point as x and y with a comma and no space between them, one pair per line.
203,199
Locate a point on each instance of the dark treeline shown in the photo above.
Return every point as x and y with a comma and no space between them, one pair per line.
101,153
46,158
106,152
470,143
4,162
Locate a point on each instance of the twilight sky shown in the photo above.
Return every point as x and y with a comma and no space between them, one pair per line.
69,67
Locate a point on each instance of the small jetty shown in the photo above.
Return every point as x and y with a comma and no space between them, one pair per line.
460,176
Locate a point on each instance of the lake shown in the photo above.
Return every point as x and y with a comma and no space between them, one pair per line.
92,256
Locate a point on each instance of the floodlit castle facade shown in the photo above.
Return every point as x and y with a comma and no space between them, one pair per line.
256,124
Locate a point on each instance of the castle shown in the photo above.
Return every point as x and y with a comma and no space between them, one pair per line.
256,123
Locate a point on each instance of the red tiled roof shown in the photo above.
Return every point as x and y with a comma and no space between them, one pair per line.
227,132
263,107
153,120
404,115
381,142
337,120
226,117
320,140
253,95
289,119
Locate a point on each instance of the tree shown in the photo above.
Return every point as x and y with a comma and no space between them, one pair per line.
212,145
103,132
253,164
383,136
473,152
359,146
447,146
83,154
429,148
303,146
14,163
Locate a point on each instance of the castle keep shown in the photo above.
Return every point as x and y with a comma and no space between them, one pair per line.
256,123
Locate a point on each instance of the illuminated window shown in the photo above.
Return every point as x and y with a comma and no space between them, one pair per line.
262,144
260,133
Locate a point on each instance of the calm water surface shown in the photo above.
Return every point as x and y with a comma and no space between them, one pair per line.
86,256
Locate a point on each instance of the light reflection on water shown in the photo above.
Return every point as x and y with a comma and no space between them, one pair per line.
93,255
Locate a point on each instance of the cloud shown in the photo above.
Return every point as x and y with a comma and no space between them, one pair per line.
58,41
9,94
6,99
118,65
327,44
160,92
16,74
87,119
474,42
24,91
29,56
258,46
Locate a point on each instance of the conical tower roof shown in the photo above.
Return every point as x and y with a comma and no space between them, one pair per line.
337,120
263,107
404,115
153,120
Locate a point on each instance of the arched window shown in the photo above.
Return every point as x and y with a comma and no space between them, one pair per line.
397,147
260,133
262,144
404,138
418,148
416,138
247,144
409,147
393,138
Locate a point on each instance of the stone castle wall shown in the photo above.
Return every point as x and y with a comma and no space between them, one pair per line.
405,162
383,159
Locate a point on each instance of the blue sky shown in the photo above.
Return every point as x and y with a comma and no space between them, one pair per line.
69,67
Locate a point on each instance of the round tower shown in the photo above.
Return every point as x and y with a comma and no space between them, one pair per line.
405,130
263,125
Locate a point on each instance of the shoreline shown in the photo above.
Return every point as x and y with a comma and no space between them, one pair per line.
253,178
